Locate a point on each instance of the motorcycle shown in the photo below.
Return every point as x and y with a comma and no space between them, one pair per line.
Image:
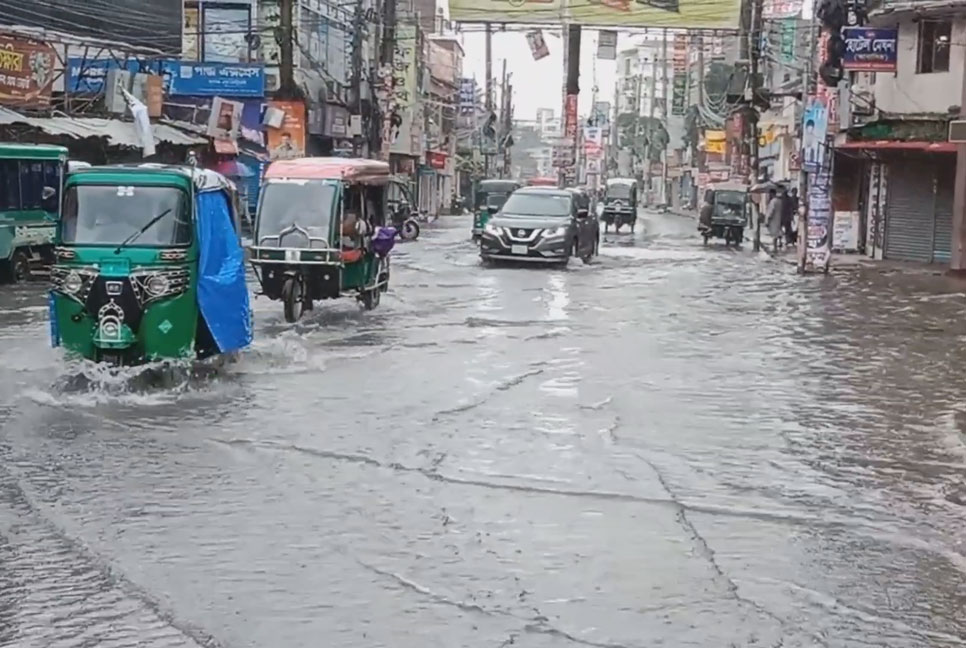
405,221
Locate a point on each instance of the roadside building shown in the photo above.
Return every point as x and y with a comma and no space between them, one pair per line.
893,168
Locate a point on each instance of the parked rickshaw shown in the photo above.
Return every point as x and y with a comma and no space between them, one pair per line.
321,233
30,209
620,204
490,196
730,212
149,266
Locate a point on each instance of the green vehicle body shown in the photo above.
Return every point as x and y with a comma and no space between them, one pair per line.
490,196
31,182
170,325
298,254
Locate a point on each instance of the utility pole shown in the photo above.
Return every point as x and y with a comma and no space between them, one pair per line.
287,88
650,127
754,42
489,91
958,258
807,84
502,130
665,101
509,128
358,140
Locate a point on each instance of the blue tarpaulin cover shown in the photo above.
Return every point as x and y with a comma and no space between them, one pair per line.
222,293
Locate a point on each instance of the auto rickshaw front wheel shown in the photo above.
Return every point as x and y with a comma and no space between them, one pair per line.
293,298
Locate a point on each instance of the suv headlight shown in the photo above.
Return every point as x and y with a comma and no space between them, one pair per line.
558,231
492,229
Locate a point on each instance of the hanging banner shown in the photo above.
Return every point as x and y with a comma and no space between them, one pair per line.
287,142
26,72
814,129
402,105
777,9
679,87
818,253
593,143
789,32
870,50
538,46
607,45
708,14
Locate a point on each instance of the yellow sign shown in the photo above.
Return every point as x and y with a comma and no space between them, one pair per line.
707,14
716,146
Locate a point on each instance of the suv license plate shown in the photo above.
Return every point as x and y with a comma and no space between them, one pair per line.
519,249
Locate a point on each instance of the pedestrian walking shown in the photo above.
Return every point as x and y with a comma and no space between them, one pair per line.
789,210
773,218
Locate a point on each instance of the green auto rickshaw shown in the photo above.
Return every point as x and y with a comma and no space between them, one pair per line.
321,232
31,180
149,266
490,196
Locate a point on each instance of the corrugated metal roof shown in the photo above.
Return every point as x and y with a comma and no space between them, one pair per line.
118,133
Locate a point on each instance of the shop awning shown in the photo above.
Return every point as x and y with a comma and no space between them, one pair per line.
117,132
894,145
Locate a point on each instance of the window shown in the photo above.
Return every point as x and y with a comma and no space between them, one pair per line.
9,185
935,38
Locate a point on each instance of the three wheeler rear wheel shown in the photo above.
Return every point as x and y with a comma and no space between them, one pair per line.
371,298
293,298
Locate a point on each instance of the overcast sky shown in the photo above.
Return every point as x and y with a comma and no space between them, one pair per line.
539,84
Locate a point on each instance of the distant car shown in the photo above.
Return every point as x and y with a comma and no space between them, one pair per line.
541,224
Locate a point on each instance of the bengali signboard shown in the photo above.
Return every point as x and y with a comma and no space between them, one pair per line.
402,105
707,14
87,76
26,72
211,79
777,9
870,50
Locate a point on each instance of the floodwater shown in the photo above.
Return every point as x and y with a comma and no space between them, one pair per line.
672,446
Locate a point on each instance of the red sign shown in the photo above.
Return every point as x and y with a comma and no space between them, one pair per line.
26,72
570,117
436,159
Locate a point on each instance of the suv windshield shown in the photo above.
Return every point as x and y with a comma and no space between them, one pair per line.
110,214
537,204
306,203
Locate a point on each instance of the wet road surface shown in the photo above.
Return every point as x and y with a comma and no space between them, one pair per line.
672,446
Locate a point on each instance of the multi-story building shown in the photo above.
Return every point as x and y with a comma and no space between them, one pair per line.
894,168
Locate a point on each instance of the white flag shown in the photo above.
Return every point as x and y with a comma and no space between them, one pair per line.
142,122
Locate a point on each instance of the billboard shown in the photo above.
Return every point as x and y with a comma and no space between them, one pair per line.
707,14
26,72
870,50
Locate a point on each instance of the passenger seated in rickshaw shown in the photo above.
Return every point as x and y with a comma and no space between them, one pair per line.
354,232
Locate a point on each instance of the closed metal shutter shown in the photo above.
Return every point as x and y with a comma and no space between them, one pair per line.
909,213
943,236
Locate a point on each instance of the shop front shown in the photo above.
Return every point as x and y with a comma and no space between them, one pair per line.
918,203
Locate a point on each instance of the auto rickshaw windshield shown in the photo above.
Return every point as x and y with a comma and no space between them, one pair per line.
112,214
309,204
620,191
729,203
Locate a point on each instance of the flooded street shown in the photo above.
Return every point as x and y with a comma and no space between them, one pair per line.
672,446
